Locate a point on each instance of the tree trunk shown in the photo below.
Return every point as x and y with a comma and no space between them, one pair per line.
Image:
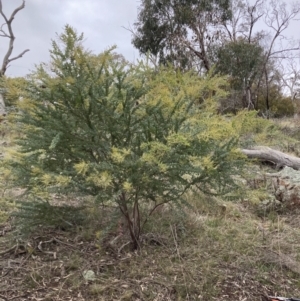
278,158
2,106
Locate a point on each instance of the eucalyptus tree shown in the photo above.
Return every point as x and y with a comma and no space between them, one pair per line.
180,32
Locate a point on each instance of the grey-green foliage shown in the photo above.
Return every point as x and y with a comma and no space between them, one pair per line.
97,126
34,213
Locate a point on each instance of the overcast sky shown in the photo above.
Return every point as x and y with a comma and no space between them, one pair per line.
102,22
37,24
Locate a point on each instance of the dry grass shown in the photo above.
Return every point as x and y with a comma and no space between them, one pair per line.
212,252
290,139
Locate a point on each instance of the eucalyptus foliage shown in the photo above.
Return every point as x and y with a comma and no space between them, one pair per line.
121,133
242,61
180,31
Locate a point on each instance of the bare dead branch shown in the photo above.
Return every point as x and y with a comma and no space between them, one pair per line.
2,30
19,56
10,35
284,50
245,16
253,17
13,13
268,154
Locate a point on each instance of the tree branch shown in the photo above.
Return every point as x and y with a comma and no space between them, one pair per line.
10,35
284,50
276,157
19,56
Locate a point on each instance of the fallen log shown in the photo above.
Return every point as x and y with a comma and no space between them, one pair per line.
276,157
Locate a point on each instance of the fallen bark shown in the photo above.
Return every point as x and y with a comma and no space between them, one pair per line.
278,158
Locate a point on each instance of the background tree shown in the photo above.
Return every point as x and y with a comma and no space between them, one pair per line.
289,81
242,61
179,32
195,34
125,135
278,19
276,48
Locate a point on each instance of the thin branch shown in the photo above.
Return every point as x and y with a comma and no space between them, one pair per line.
9,250
19,56
284,50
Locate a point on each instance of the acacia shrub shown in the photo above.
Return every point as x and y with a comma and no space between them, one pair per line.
97,126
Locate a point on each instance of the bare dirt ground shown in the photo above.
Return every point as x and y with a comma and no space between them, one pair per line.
205,256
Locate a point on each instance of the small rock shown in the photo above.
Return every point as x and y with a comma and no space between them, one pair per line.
89,275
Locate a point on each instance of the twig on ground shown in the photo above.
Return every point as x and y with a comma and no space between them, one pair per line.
62,242
123,246
3,297
9,250
46,252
